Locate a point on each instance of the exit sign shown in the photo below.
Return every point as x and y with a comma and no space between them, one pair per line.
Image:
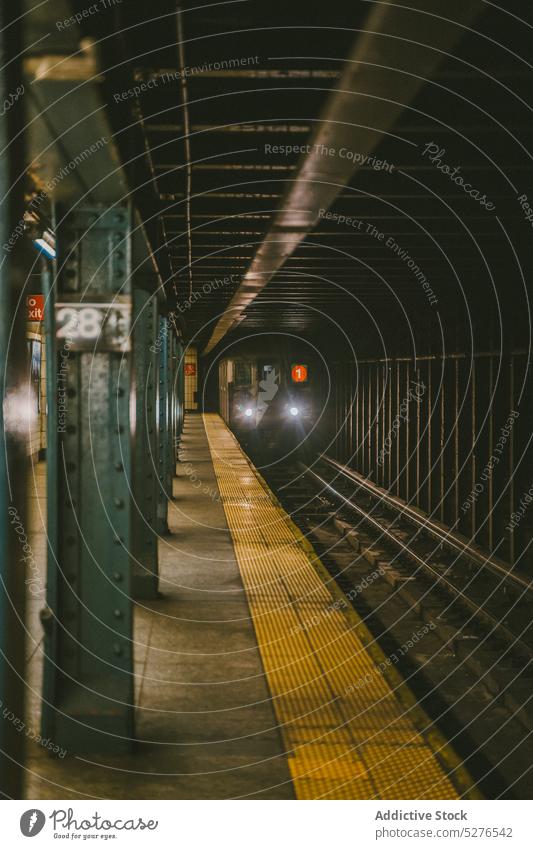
35,307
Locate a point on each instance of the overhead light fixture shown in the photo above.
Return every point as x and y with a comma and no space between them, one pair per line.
294,411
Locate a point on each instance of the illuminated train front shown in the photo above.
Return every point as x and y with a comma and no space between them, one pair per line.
270,402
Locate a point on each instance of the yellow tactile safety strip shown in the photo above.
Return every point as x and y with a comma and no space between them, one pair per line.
349,731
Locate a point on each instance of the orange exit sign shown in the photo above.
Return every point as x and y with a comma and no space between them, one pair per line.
35,307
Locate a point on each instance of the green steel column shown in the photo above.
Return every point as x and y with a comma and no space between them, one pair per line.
173,399
165,437
88,703
178,394
54,398
13,414
180,387
146,345
173,366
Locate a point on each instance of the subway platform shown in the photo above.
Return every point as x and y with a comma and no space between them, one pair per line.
247,672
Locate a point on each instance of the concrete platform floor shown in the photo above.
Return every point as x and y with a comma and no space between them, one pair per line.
205,724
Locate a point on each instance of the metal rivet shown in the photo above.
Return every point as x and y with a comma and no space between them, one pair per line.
118,614
118,502
117,576
117,649
119,467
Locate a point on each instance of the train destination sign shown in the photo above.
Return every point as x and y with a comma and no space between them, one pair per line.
299,373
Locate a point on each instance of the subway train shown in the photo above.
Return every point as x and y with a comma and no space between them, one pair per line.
272,403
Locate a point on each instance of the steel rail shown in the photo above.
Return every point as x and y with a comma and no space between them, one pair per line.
475,608
443,535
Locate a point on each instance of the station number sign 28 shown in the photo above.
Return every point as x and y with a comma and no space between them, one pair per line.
94,326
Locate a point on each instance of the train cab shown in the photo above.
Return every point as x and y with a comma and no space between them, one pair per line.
270,402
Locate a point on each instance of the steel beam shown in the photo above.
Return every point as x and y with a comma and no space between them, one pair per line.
88,674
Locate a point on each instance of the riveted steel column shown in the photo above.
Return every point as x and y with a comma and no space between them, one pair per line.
13,377
173,366
88,704
52,467
180,390
165,436
146,345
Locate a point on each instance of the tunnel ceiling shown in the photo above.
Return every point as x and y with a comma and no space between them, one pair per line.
203,148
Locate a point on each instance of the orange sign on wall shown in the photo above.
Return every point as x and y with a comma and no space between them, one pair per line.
190,369
35,307
299,373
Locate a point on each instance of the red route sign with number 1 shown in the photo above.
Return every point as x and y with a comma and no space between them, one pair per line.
299,373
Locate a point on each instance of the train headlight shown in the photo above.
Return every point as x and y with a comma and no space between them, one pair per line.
248,412
294,411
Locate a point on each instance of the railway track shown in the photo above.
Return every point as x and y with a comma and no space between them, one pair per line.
493,595
474,671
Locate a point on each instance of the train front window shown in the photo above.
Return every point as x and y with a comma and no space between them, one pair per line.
242,373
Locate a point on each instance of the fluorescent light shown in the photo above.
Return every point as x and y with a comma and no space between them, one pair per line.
294,411
248,412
